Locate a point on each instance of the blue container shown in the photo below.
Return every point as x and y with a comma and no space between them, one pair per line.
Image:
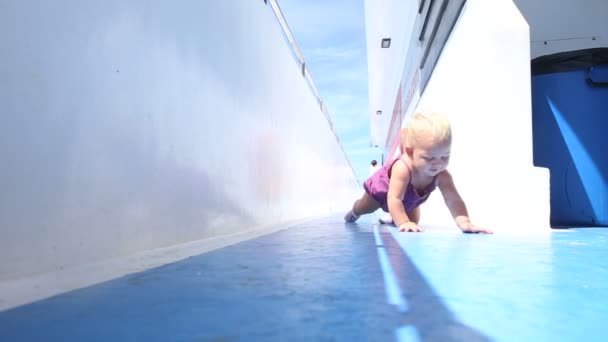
570,133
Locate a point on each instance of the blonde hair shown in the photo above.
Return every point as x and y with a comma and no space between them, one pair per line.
435,124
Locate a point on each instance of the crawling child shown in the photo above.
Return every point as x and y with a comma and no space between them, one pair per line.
402,185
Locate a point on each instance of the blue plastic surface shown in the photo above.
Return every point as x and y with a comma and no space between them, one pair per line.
570,121
325,281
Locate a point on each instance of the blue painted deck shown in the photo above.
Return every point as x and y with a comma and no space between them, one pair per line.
325,280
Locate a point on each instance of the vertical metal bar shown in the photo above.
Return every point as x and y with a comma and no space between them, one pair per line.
433,33
426,20
421,6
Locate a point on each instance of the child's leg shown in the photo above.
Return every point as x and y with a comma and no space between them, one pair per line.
365,205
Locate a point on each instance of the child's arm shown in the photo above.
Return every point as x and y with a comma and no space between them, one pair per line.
456,205
397,185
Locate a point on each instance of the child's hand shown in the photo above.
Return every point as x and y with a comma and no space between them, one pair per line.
409,227
469,228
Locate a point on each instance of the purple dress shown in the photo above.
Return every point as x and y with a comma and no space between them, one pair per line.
377,187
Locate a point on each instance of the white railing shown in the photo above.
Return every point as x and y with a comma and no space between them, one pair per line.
276,9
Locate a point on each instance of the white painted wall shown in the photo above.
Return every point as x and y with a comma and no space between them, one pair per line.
565,25
132,125
386,19
482,81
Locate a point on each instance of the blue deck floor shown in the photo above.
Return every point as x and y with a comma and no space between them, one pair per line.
325,280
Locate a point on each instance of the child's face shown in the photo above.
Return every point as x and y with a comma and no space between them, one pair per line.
430,157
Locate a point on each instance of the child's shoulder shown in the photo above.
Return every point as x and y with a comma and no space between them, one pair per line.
400,166
400,162
402,159
443,176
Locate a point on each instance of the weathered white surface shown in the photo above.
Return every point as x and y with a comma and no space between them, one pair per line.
565,25
128,126
386,19
482,81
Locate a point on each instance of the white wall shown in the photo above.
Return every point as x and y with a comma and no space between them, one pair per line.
565,25
482,81
386,19
131,125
